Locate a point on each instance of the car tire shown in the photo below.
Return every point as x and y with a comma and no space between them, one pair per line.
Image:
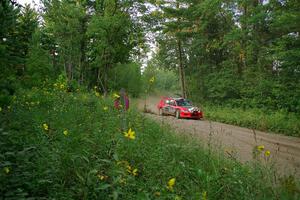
177,114
160,112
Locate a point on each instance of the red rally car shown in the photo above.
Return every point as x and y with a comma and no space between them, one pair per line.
179,107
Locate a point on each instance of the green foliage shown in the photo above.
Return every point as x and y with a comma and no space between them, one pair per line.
84,40
62,145
109,42
164,80
128,77
8,21
38,62
64,21
27,24
39,157
17,27
275,121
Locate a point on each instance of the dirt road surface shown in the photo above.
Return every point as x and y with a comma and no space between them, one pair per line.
236,142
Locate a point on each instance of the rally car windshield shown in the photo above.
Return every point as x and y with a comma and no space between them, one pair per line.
183,102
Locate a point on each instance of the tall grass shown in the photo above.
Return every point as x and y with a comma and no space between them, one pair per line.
274,121
82,153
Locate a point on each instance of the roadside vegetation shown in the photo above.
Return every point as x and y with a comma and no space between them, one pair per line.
69,145
265,120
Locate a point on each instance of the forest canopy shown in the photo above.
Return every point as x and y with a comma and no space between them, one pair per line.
239,53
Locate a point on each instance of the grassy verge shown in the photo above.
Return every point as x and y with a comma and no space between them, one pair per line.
277,121
61,145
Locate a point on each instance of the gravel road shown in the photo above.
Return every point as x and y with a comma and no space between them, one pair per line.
236,142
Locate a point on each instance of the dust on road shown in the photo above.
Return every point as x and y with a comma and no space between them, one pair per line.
236,142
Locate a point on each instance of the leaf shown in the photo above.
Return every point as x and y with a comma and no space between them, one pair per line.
105,160
116,157
115,195
80,177
44,181
94,171
103,187
85,158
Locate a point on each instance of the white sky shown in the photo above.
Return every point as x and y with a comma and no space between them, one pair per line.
23,2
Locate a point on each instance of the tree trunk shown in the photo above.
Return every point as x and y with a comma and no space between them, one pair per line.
181,70
82,67
180,67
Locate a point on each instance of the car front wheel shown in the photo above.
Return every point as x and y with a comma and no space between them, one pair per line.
177,114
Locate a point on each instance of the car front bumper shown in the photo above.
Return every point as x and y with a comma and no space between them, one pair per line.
194,115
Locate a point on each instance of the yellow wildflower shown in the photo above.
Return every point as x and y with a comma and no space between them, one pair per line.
46,127
97,94
102,177
135,172
267,153
157,194
171,184
62,86
130,134
152,79
105,108
122,181
129,168
66,132
260,147
115,95
6,170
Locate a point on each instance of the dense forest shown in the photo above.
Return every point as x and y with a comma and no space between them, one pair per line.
243,53
83,42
